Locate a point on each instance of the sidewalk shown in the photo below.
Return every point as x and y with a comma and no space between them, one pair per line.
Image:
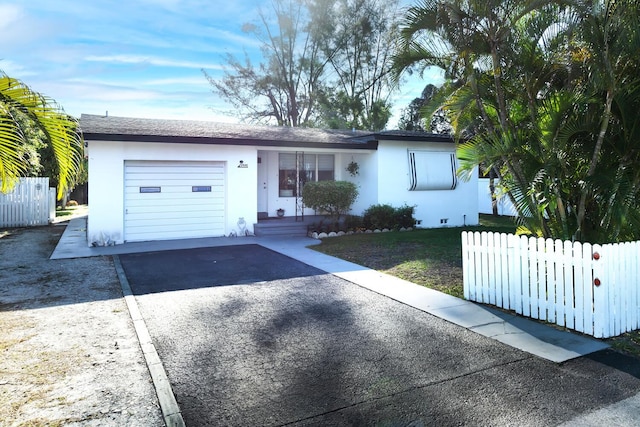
524,334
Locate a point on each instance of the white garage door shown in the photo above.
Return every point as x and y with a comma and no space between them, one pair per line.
173,200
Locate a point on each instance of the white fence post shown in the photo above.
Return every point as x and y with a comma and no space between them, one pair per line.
52,204
602,287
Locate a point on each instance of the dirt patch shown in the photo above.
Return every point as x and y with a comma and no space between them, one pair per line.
68,351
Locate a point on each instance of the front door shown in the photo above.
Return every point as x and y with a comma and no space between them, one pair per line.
262,182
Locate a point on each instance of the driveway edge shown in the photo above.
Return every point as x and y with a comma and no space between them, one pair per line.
167,400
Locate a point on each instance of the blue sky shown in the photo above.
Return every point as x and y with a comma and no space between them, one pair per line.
138,58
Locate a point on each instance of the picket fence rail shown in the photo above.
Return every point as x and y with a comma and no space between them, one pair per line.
30,203
592,289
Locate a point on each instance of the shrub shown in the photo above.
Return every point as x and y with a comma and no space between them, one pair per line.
386,216
332,197
353,222
403,216
379,216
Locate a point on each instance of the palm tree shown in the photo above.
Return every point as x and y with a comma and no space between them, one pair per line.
557,90
473,42
61,132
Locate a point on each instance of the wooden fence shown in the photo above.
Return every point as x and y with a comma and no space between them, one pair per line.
592,289
30,203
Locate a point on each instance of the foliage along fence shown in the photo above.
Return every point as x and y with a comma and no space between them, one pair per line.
30,203
592,289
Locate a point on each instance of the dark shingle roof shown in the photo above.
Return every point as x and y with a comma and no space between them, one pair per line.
110,128
106,128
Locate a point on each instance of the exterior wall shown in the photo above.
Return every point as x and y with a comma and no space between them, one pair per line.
458,207
365,180
505,207
106,181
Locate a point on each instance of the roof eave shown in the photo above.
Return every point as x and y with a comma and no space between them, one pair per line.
416,138
368,145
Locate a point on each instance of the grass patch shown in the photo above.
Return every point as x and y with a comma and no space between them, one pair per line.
66,211
428,257
431,258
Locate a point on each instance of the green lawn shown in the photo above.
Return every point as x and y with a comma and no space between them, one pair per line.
431,257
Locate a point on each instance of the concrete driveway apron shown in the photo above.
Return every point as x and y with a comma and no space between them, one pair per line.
251,337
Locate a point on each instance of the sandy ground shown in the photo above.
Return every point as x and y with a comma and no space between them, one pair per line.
68,351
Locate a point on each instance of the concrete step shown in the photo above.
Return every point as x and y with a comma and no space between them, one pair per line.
285,229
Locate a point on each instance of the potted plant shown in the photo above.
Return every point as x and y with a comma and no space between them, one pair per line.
280,213
353,168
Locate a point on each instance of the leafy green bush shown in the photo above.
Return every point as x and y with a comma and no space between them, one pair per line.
379,216
386,216
403,216
332,197
353,222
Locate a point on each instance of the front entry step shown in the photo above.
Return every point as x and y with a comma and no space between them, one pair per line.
275,227
286,226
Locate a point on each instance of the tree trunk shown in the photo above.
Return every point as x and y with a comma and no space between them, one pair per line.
582,204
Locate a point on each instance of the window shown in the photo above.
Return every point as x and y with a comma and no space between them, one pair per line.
432,170
306,168
325,167
287,174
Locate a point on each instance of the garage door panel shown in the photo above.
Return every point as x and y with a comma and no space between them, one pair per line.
186,189
177,202
185,168
202,212
150,208
175,198
176,211
163,223
164,179
168,234
167,192
164,227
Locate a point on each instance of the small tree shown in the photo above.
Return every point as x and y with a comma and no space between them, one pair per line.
333,197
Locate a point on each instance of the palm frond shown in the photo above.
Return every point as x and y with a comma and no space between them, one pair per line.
61,131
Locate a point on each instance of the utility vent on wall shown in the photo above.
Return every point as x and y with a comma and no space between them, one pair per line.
432,170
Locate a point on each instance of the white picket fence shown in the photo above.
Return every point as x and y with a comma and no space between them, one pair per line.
592,289
30,203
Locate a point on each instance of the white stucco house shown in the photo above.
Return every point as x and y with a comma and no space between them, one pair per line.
170,179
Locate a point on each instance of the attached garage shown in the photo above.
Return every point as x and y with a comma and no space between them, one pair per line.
173,200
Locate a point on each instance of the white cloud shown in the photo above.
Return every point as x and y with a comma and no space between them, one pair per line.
9,14
191,81
150,60
14,69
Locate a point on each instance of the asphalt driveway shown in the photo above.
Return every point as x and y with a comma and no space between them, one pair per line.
251,337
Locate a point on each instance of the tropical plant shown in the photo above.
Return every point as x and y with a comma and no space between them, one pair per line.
555,86
24,112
